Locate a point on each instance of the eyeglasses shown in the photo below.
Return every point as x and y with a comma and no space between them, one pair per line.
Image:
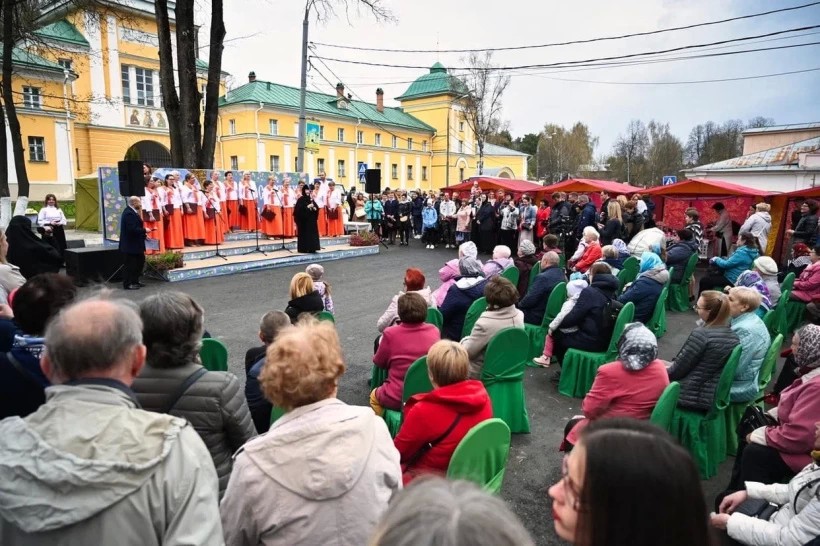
573,494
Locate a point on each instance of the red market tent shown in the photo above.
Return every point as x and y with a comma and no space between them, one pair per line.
587,185
516,187
782,207
701,186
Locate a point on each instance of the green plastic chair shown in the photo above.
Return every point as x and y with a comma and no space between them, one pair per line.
657,322
562,260
632,264
623,276
511,274
435,318
769,321
326,315
503,377
678,298
793,314
579,367
377,376
536,269
481,456
275,414
665,406
703,433
475,310
538,334
780,324
788,282
669,279
214,355
416,381
734,413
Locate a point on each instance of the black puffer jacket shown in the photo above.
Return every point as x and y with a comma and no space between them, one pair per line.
805,230
678,257
309,303
699,363
215,406
587,315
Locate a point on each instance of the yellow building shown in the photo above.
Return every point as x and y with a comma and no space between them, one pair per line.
259,128
89,94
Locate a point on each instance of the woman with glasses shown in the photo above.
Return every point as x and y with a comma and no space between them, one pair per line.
629,482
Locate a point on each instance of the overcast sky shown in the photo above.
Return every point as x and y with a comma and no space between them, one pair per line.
265,36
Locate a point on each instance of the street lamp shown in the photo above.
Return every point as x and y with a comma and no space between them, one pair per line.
557,155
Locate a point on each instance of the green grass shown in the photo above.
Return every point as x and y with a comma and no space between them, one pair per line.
69,208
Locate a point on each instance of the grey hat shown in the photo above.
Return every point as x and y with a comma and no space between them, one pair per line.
526,248
470,267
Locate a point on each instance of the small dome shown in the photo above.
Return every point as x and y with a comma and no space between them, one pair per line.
436,82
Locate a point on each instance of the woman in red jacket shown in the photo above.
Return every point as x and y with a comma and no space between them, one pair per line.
443,416
807,285
592,252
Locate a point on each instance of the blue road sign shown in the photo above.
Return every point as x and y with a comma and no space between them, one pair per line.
667,180
362,171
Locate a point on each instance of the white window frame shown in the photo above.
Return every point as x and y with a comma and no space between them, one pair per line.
125,80
423,145
67,64
321,132
377,139
340,168
394,171
359,137
410,144
32,97
320,165
37,149
234,162
273,126
274,163
424,172
340,134
145,96
461,146
395,142
409,172
461,126
231,126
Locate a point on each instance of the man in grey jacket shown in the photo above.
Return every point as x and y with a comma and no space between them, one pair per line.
88,467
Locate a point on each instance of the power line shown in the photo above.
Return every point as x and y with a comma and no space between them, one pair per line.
573,42
587,62
686,82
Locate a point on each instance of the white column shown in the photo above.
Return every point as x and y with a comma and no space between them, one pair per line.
352,169
403,171
10,155
370,160
417,182
286,166
330,167
114,74
62,148
310,164
102,112
260,156
387,169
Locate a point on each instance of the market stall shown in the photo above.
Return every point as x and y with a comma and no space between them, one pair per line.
783,206
516,187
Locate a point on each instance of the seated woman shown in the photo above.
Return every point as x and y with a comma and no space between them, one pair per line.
807,285
447,274
699,363
303,297
752,279
679,253
455,405
413,282
10,277
501,313
321,459
591,252
746,253
647,288
628,387
766,267
400,346
801,258
754,338
469,286
797,519
612,482
499,262
611,257
214,404
525,261
28,252
776,453
587,315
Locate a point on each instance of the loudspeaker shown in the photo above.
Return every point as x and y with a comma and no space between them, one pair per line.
131,180
93,264
373,181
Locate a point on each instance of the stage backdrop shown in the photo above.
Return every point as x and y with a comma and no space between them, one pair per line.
112,203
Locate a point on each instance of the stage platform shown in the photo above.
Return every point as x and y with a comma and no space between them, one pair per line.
200,261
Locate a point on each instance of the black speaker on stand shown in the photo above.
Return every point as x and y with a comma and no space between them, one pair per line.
373,181
131,180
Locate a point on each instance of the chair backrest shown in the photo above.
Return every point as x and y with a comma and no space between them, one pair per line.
769,362
624,317
511,274
435,317
632,264
660,307
727,376
326,315
781,321
788,282
214,355
562,260
624,276
506,353
690,269
669,278
481,456
769,321
665,406
536,269
475,310
557,298
276,413
416,379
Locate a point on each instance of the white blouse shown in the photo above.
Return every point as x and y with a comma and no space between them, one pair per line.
48,215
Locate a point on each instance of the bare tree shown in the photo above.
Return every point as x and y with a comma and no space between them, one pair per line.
628,160
664,154
192,143
482,105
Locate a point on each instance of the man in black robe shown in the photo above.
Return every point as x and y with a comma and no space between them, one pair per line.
306,216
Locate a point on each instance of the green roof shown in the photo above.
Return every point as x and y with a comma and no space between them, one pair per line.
27,59
63,31
319,104
437,82
202,66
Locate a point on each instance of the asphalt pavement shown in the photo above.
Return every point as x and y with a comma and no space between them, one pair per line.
361,290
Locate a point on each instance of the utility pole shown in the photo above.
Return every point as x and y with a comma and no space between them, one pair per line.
300,157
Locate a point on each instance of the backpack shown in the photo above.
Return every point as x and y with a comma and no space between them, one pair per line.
609,315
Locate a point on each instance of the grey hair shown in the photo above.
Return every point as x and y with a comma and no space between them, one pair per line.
173,323
448,513
134,200
550,258
93,335
591,232
271,324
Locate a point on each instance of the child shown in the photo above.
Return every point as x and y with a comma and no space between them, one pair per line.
550,244
316,273
574,289
429,218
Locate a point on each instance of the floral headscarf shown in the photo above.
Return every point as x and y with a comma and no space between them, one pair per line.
753,280
621,247
638,347
807,356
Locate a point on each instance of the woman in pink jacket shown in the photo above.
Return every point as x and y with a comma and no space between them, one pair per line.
807,286
450,271
628,387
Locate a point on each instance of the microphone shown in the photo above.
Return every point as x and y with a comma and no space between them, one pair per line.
251,190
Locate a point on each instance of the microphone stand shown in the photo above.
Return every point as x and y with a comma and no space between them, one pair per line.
256,231
219,214
282,207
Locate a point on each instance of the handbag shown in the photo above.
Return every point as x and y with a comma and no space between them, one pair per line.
169,208
753,418
190,208
333,214
756,508
210,213
403,218
422,451
268,214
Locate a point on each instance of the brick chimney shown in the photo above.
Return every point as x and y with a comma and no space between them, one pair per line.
252,77
380,99
340,90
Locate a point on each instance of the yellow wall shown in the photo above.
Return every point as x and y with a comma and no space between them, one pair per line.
40,126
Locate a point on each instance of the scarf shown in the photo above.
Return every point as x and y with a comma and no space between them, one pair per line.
807,356
650,260
621,247
753,280
638,347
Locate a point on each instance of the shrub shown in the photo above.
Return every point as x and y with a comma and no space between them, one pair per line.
165,261
364,238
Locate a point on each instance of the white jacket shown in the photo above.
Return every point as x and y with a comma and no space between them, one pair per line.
323,474
391,314
759,224
795,524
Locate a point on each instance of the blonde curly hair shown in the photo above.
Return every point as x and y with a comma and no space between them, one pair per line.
303,365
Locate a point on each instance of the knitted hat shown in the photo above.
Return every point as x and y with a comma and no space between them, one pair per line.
470,267
315,271
766,265
526,248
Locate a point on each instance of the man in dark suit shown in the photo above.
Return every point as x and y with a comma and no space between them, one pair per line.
132,244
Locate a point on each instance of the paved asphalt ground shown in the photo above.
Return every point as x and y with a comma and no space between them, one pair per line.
362,288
